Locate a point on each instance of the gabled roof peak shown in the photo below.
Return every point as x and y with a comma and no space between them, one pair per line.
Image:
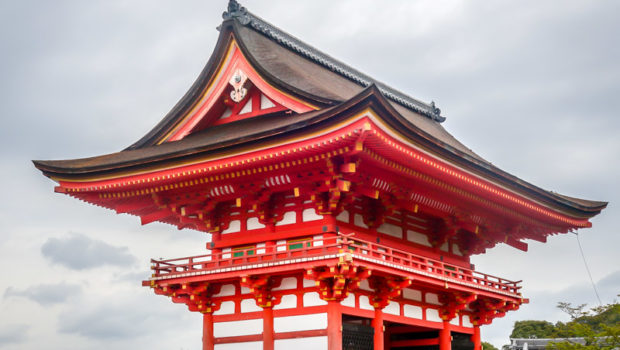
239,13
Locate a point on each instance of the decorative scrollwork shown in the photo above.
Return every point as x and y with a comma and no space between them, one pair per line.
237,80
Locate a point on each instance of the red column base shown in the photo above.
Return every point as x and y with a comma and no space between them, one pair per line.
377,324
268,338
334,326
445,338
475,338
207,332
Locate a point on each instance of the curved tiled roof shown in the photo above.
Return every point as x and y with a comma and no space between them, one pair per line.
246,18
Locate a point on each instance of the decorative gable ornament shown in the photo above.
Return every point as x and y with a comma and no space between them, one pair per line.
237,81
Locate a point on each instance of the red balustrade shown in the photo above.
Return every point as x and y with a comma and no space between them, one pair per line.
378,253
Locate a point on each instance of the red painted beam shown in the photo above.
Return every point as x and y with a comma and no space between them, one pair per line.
516,244
239,339
414,342
301,334
155,216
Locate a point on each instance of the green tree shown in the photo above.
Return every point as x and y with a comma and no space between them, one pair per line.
533,329
488,346
600,328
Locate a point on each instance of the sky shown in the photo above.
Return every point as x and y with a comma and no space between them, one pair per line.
532,86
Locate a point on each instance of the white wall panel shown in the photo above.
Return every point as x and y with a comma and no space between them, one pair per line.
300,323
235,328
287,302
254,345
412,311
313,343
313,299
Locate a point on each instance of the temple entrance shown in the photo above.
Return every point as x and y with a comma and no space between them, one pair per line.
357,333
405,337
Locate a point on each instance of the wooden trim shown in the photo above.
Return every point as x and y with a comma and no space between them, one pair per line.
239,339
301,334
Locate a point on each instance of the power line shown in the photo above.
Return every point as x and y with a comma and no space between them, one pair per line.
587,268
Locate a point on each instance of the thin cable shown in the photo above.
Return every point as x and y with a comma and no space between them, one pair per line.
588,269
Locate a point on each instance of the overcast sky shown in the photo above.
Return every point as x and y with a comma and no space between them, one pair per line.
532,86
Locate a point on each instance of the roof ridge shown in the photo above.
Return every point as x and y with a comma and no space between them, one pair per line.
246,18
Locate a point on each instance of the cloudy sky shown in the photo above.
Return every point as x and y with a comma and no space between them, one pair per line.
532,86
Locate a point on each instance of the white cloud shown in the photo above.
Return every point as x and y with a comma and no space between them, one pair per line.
13,334
46,294
80,252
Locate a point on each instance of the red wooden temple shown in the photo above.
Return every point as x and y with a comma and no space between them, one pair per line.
342,214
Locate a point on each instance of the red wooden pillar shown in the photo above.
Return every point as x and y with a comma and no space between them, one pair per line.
207,331
334,325
268,339
475,338
445,339
377,324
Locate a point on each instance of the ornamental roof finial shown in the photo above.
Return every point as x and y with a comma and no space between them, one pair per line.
235,10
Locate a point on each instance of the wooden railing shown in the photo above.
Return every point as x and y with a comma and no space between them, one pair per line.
377,253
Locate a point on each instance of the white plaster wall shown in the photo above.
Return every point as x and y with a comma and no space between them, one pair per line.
412,311
358,220
247,108
226,308
417,237
290,217
254,345
433,315
456,250
318,240
313,343
445,247
365,303
249,305
343,216
412,294
300,323
287,302
455,321
313,299
392,308
466,321
432,298
309,283
391,230
253,224
310,215
287,283
235,328
281,245
226,290
260,248
234,226
349,300
265,102
364,285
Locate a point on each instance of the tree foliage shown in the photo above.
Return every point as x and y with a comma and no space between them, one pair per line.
488,346
533,329
599,326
